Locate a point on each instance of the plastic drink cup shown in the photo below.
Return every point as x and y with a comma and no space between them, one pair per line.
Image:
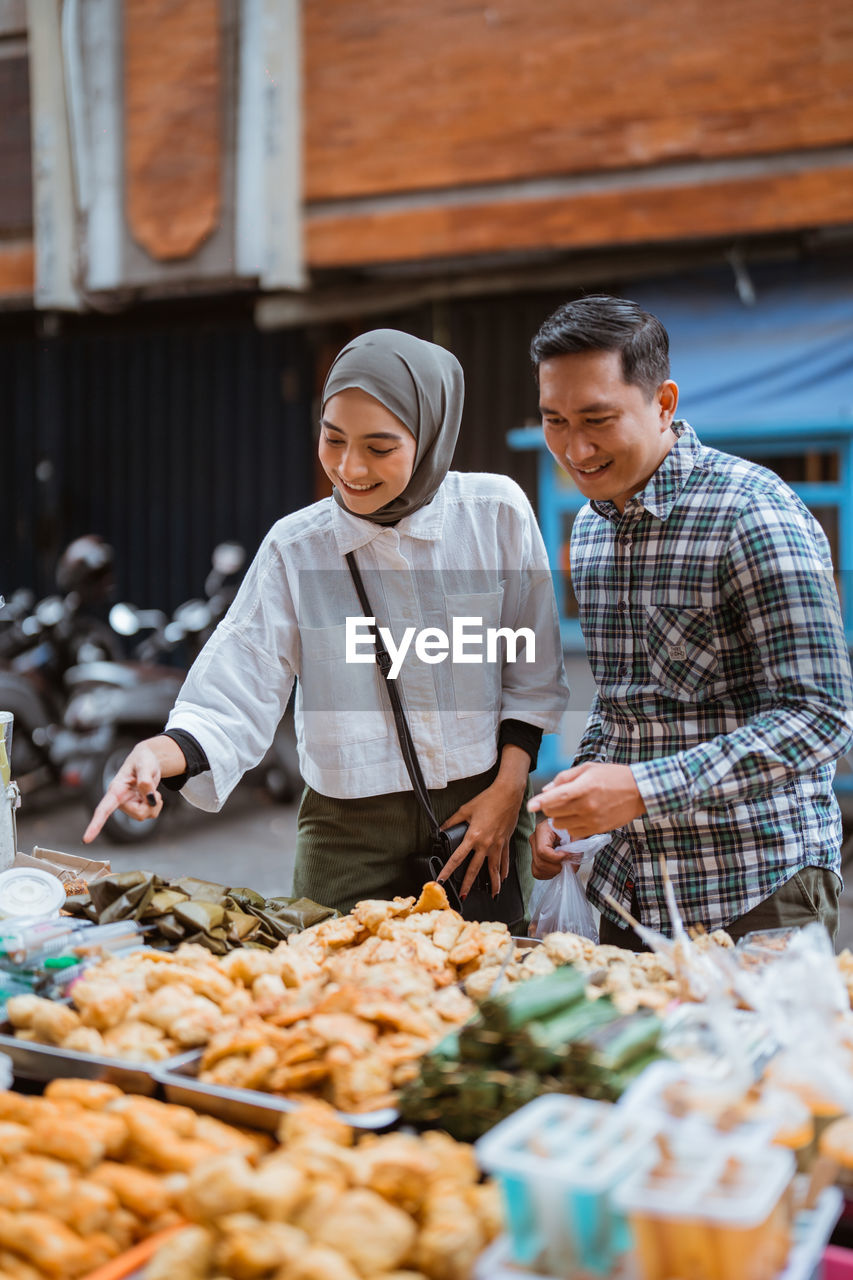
30,892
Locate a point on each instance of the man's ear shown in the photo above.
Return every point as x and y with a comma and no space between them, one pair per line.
667,398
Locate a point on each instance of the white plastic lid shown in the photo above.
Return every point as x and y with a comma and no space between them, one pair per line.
27,891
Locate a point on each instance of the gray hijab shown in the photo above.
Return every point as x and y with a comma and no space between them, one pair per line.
422,385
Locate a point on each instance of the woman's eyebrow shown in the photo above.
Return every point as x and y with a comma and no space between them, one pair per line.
369,435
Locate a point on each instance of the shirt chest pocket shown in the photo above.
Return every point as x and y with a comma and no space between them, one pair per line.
476,680
343,702
681,648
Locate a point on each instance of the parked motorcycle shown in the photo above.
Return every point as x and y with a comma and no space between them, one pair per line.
114,705
40,642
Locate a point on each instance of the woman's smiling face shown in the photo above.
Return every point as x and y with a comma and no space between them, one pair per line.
365,450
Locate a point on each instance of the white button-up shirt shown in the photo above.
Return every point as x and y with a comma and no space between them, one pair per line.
474,552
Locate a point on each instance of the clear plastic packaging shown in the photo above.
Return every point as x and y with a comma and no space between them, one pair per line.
34,941
711,1215
558,1161
560,905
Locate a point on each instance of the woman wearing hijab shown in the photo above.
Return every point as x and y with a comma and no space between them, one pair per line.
432,546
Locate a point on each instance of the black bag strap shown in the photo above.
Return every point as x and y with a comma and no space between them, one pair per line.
404,735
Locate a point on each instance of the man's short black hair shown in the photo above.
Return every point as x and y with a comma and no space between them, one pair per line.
603,323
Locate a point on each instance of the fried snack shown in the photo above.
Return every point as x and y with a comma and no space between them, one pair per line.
41,1171
18,1107
371,1233
323,1208
433,898
159,1147
48,1021
173,1119
20,1010
314,1119
249,1248
65,1140
16,1195
138,1190
450,1240
93,1094
400,1168
13,1267
101,1001
13,1138
61,1216
277,1188
319,1262
44,1242
89,1208
225,1137
222,1184
187,1255
138,1042
85,1040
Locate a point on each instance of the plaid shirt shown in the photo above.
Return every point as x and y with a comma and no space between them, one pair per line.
714,634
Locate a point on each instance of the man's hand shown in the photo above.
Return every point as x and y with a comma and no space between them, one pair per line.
590,799
134,788
492,817
546,861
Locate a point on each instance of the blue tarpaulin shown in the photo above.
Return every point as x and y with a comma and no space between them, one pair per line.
788,358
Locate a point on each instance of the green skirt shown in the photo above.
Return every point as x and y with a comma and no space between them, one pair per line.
347,850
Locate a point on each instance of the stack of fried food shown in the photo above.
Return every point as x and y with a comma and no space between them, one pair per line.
399,1207
344,1009
645,980
87,1171
145,1006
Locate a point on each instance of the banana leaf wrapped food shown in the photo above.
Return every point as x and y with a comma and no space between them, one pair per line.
543,1036
189,909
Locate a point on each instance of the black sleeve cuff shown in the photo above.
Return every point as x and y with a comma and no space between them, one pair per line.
517,733
197,761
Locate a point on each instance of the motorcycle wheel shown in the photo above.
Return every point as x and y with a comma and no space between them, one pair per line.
119,827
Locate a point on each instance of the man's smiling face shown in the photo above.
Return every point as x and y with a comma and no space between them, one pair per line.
608,434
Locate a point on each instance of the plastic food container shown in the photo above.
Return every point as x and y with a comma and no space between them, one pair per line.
812,1229
31,893
558,1161
717,1216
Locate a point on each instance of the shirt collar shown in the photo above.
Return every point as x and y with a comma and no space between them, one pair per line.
664,487
352,532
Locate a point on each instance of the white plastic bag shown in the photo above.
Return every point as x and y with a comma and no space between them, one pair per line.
560,905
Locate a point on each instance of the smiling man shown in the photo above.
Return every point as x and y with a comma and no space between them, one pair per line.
711,621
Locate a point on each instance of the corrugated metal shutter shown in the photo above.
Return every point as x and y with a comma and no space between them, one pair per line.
165,439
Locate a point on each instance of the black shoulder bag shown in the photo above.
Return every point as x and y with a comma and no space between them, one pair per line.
479,904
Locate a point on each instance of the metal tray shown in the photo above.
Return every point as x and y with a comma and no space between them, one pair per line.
43,1062
248,1107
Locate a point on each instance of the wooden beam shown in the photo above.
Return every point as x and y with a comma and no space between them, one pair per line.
745,206
173,135
402,95
17,269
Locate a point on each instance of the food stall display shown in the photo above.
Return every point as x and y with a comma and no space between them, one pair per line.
547,1036
344,1009
87,1171
403,1010
324,1206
